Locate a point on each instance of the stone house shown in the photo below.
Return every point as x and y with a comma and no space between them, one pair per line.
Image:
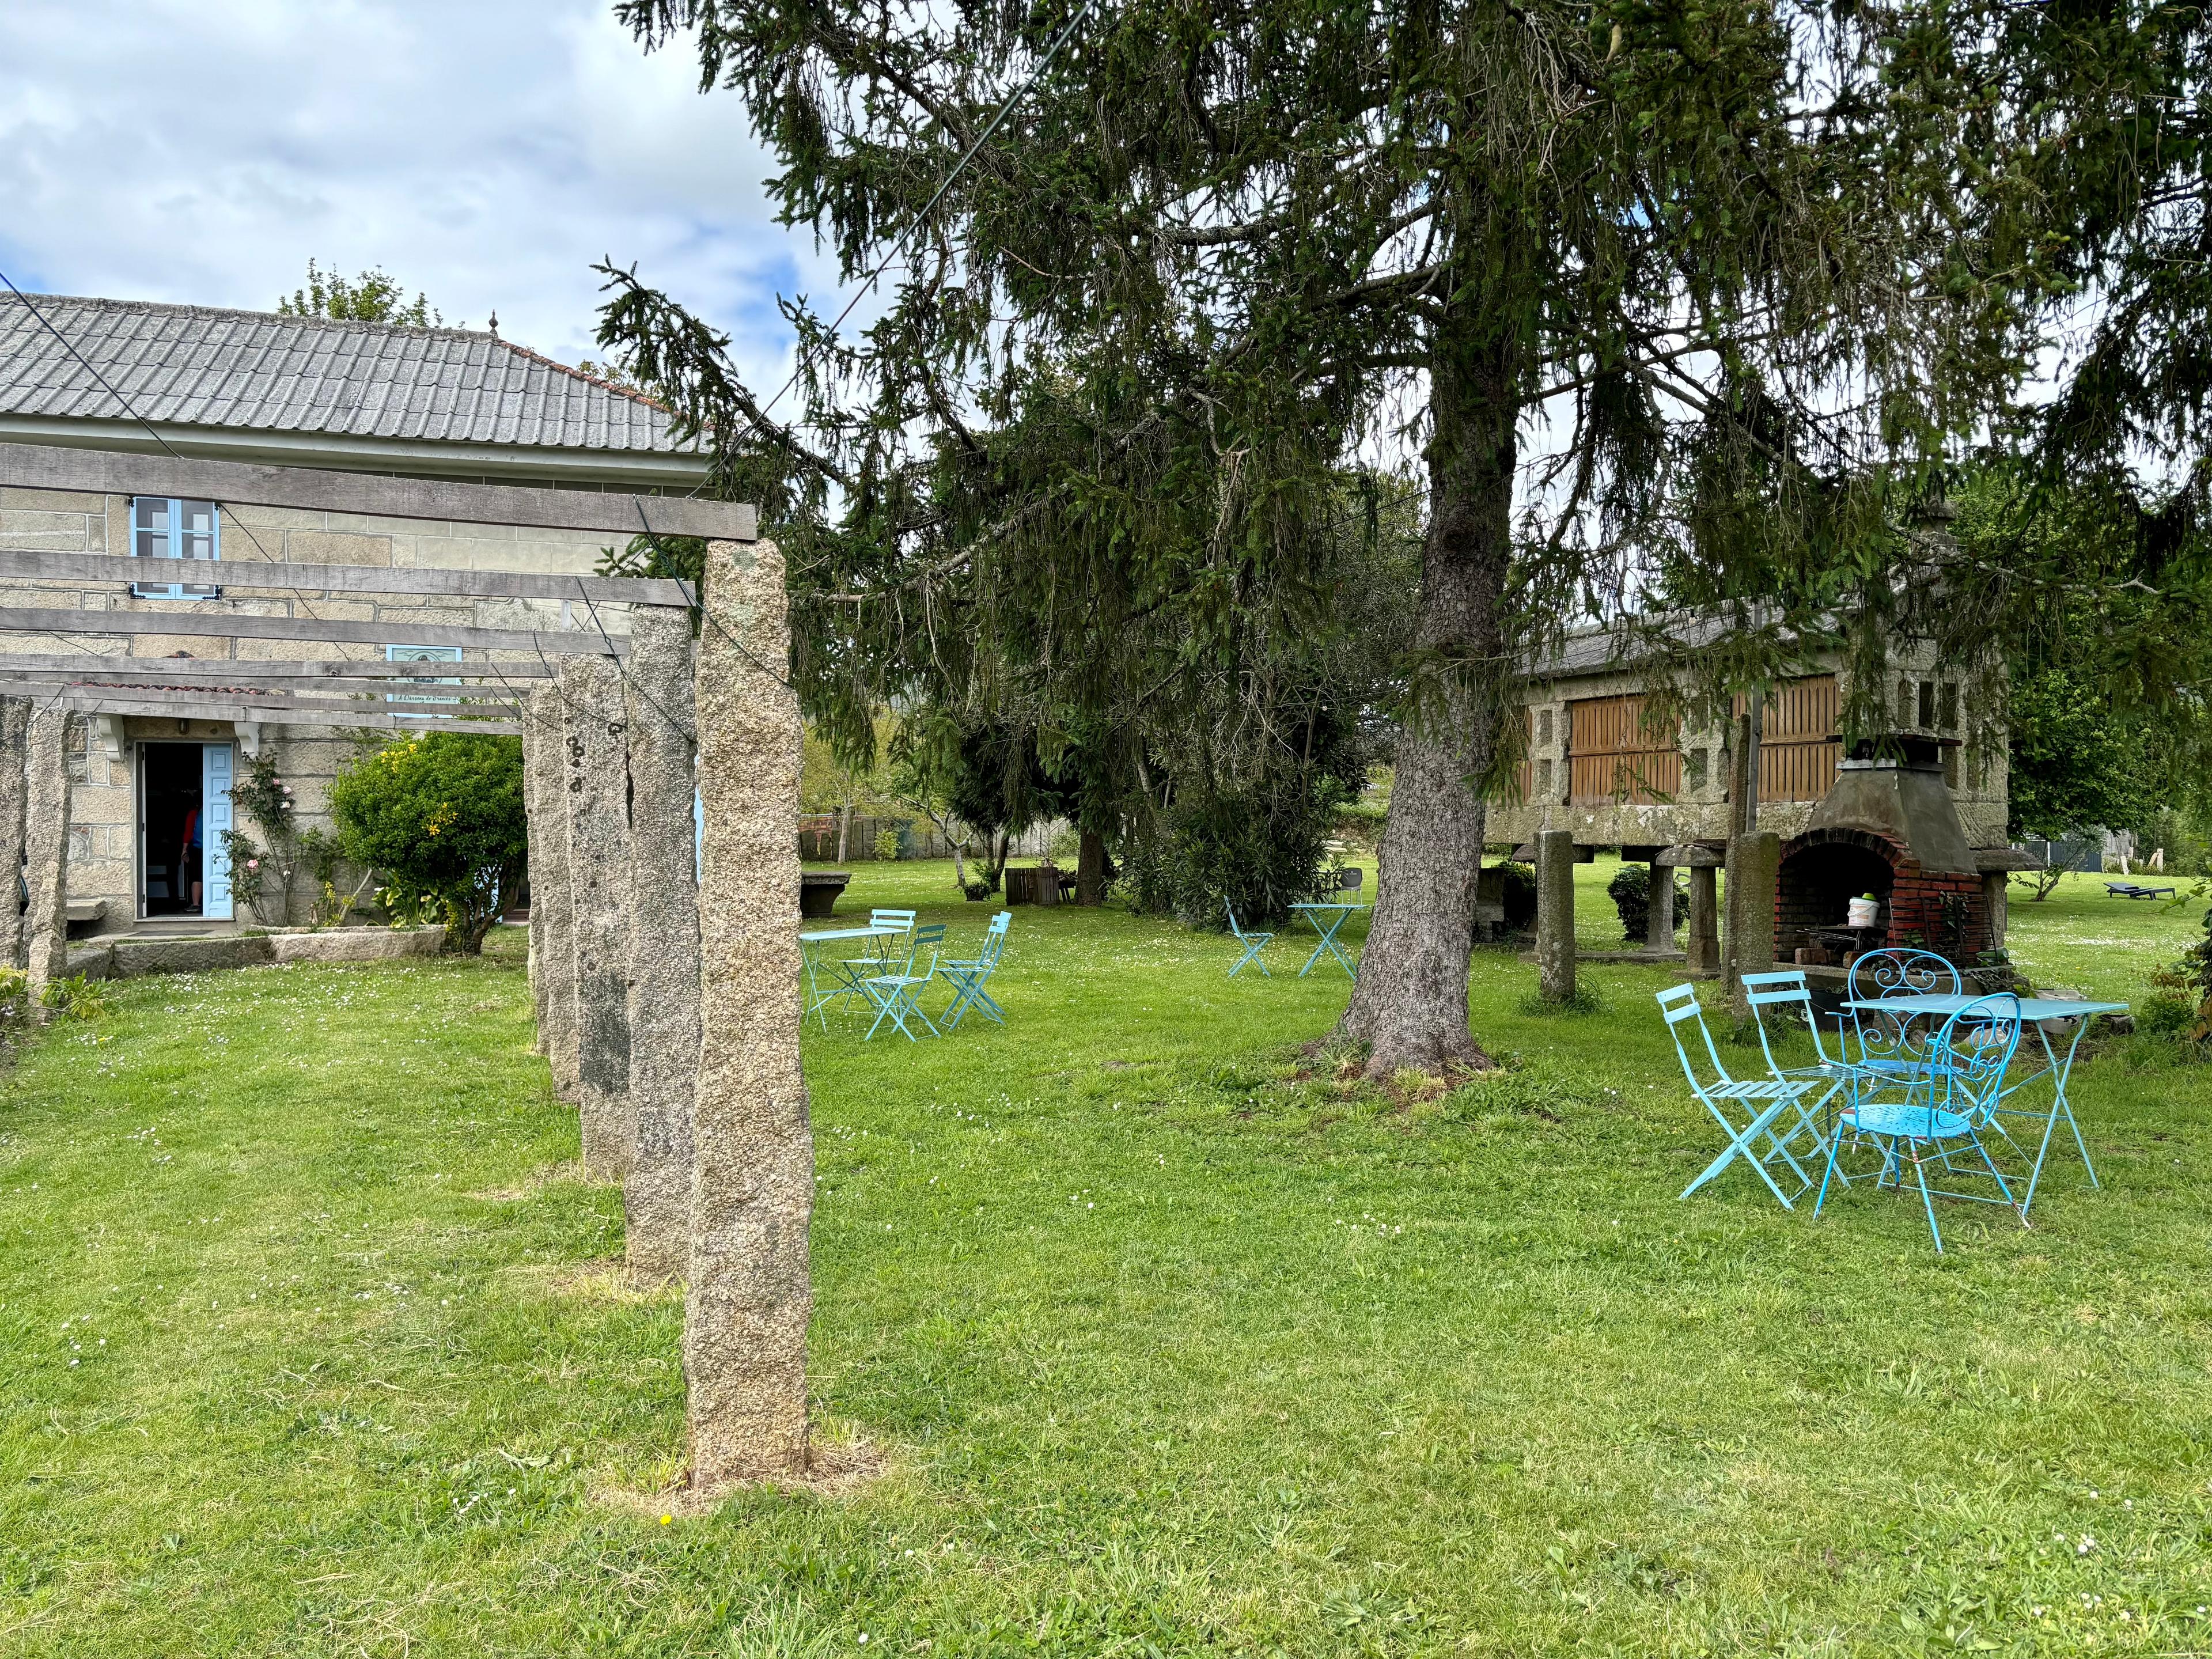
134,381
1913,813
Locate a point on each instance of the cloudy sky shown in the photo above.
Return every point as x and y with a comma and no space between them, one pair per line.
486,152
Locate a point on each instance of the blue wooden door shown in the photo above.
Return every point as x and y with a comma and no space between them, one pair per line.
216,821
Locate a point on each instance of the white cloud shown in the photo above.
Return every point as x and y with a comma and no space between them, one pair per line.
487,153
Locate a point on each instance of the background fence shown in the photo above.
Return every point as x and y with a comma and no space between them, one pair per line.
914,838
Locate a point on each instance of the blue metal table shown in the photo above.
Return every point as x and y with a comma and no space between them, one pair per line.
2037,1010
843,980
1335,914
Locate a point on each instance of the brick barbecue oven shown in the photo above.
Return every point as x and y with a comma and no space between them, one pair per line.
1890,828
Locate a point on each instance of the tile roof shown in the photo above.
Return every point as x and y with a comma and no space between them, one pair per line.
195,366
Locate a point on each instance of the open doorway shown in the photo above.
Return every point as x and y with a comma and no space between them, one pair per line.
172,828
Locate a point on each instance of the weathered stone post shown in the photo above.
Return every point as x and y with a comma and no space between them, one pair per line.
752,1184
663,942
549,894
1555,915
1659,931
15,739
45,865
1754,871
1703,943
596,775
534,756
1996,905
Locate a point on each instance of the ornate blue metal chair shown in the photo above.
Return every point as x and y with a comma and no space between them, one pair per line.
1893,1048
1938,1126
968,975
892,994
1253,943
1764,1100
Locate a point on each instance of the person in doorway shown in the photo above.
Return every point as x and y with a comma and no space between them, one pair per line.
188,857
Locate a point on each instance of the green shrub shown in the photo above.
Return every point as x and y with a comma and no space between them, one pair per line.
438,816
1261,857
77,997
887,845
2165,1012
1517,885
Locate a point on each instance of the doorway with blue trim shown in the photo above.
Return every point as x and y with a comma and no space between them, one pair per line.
183,812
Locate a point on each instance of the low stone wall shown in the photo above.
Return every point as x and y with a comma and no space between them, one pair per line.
130,956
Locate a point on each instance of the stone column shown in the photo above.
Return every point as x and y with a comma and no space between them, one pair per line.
663,942
46,836
534,756
549,894
752,1184
1996,905
1754,871
1703,944
1659,933
596,775
15,738
1555,915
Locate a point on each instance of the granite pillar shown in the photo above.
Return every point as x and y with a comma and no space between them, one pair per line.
45,850
552,906
1555,915
1659,931
663,942
1754,873
596,776
752,1186
1703,943
15,739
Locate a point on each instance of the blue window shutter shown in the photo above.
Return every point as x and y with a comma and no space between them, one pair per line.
216,820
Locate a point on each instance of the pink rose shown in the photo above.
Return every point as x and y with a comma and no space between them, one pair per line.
253,864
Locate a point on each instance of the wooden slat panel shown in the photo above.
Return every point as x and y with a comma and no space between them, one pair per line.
108,472
1612,758
281,576
1799,743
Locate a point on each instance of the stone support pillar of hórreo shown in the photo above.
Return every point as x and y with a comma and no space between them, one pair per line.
752,1184
45,850
663,942
552,906
1754,868
15,737
1659,923
1555,915
597,769
1701,943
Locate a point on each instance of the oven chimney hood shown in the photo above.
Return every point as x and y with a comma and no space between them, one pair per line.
1907,802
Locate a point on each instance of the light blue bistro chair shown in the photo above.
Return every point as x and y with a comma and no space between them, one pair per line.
891,994
1764,1100
1939,1125
1892,1049
968,975
1253,943
1785,993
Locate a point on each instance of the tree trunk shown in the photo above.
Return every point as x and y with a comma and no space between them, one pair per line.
844,829
1410,1001
1092,868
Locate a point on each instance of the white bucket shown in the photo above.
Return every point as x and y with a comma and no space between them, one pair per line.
1863,913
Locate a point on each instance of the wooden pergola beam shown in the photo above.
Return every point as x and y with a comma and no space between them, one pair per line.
258,685
229,670
283,576
232,625
247,713
108,472
467,699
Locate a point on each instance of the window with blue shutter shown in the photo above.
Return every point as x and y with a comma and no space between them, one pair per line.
167,527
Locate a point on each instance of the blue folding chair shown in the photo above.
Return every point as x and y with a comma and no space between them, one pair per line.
968,975
1765,1101
1786,993
1253,943
1941,1123
884,948
892,994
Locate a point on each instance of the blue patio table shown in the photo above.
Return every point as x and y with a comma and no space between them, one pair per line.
842,980
2037,1010
1327,917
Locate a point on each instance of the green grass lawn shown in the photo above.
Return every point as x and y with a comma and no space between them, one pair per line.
309,1346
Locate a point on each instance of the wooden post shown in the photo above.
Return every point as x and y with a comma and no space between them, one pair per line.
664,945
1555,915
752,1182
